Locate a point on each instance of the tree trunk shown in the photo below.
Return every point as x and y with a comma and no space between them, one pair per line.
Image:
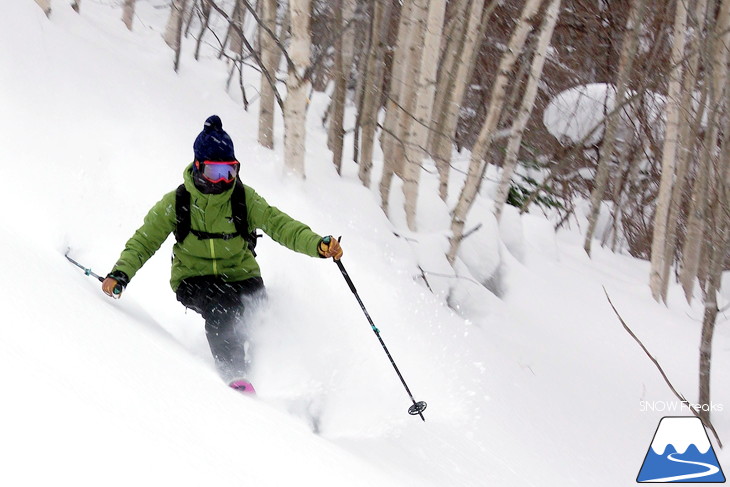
719,248
128,13
528,102
407,102
454,37
444,128
690,122
716,45
45,5
669,153
297,88
336,132
477,164
390,141
270,59
173,30
205,14
417,138
343,47
239,17
628,54
373,88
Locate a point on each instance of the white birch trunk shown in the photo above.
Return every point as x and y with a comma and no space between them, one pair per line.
269,58
528,102
626,62
336,132
417,138
691,251
174,21
399,94
128,13
344,46
690,119
397,76
454,35
45,5
718,249
409,87
669,152
477,164
444,129
238,17
297,88
372,89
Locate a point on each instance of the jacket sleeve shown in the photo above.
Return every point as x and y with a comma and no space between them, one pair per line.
279,226
158,224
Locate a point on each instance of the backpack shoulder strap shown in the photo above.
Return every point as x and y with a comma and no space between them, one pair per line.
182,213
240,210
240,216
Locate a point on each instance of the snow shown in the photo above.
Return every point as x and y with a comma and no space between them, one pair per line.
579,113
681,433
530,382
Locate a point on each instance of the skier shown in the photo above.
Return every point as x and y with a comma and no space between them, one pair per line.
214,272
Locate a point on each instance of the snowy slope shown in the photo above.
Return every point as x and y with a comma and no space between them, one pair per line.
540,387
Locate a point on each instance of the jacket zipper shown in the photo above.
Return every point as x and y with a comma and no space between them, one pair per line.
212,254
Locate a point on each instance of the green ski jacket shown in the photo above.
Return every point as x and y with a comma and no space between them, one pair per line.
230,259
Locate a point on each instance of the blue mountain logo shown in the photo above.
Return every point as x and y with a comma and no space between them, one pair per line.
681,452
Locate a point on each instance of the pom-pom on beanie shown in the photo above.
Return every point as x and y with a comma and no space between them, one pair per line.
213,143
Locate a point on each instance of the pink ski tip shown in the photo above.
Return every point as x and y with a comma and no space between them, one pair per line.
243,386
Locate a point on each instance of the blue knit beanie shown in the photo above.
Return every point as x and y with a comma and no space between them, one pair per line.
213,143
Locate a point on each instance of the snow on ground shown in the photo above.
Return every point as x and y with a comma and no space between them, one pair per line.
539,386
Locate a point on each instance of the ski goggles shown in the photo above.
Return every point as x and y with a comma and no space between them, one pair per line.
217,172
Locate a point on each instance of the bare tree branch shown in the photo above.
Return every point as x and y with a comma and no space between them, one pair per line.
679,396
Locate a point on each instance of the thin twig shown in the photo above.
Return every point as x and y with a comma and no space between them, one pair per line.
684,401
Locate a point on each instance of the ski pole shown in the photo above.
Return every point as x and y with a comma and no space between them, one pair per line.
418,407
89,272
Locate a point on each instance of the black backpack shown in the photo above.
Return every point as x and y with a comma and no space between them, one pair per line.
240,218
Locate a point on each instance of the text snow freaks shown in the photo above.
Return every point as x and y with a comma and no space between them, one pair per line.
678,407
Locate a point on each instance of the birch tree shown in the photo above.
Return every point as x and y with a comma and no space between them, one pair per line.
626,62
477,164
336,131
128,13
398,117
173,30
270,59
690,121
720,237
235,28
399,105
669,153
372,87
417,137
297,88
343,51
528,102
45,5
452,86
454,37
717,46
